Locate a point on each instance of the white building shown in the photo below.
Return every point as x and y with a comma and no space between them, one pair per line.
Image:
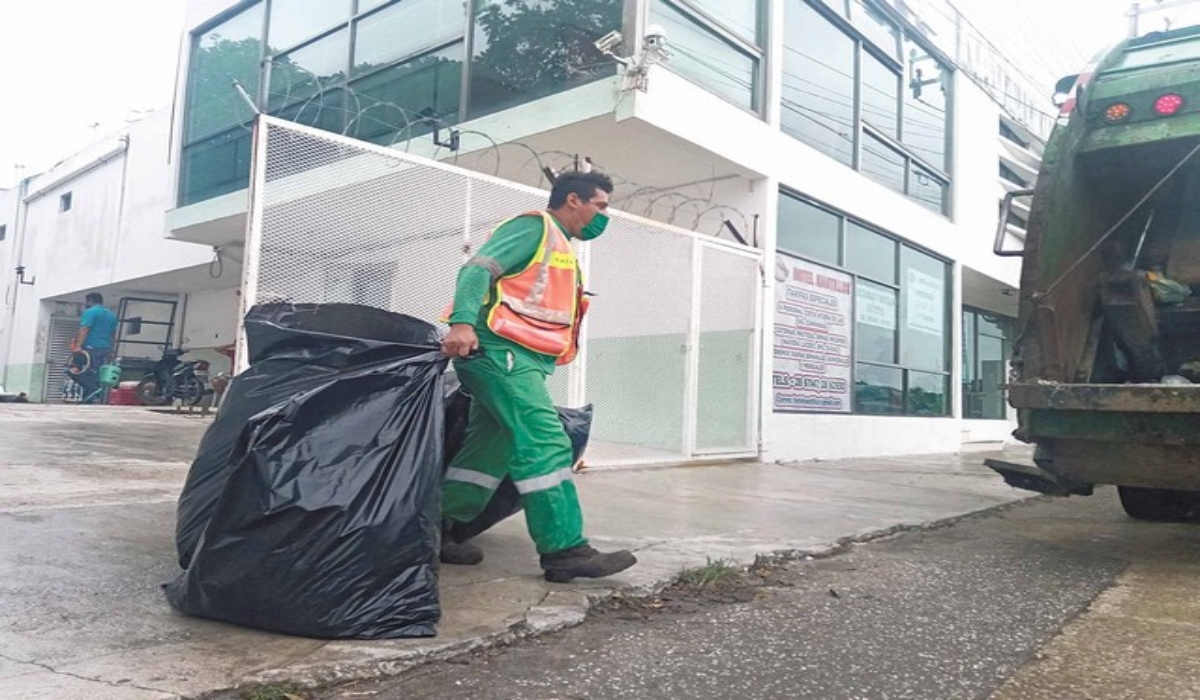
95,223
855,144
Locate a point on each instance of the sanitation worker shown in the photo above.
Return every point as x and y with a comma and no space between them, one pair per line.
516,314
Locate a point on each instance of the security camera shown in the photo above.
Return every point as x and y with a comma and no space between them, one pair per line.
656,37
608,42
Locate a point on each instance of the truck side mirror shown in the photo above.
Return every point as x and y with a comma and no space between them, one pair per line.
1002,225
1062,89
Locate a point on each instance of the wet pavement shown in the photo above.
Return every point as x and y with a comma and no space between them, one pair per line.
87,537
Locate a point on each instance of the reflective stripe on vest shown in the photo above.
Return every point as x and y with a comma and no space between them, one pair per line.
538,307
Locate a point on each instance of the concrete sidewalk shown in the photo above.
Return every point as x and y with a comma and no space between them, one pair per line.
87,503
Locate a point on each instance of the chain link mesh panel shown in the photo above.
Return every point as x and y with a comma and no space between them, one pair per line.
347,221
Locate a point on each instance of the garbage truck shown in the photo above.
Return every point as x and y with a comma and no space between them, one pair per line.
1105,372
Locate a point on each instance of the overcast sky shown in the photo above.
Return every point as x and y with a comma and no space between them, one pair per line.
75,70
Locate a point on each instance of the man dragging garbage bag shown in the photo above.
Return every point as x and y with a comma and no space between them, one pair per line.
516,314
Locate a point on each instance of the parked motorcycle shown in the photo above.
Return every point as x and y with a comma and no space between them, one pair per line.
172,378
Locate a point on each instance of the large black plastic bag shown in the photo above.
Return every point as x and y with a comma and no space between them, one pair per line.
326,518
506,501
292,348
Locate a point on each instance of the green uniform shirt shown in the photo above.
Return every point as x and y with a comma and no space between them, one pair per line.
507,252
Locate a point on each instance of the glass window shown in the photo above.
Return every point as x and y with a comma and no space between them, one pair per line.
818,82
876,27
882,164
880,95
838,6
927,189
387,36
924,121
741,16
870,254
706,59
231,51
875,322
390,100
878,389
299,75
293,21
923,305
215,166
525,49
927,394
809,231
368,5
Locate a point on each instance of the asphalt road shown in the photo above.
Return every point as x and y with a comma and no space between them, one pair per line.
1048,599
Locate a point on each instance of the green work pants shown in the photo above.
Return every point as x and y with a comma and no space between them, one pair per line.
514,430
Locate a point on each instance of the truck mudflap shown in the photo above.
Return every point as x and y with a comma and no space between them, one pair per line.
1031,477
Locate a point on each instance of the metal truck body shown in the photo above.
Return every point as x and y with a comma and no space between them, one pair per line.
1110,286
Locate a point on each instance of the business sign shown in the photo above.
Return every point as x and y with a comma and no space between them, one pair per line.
813,323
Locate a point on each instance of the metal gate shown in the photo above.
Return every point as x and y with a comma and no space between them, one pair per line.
671,348
57,388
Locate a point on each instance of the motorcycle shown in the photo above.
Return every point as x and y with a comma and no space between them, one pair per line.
172,378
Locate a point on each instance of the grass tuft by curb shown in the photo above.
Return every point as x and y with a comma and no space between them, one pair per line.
275,691
714,572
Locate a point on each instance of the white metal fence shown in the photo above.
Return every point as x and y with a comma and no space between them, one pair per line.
671,345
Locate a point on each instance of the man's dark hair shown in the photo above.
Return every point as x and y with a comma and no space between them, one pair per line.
95,298
582,184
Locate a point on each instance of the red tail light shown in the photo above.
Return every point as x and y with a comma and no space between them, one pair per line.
1168,104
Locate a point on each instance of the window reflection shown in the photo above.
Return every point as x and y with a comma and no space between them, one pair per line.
818,83
388,35
880,95
231,51
809,231
878,389
391,101
707,59
525,49
305,72
882,164
293,21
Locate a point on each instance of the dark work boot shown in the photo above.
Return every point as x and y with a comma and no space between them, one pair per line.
458,553
584,562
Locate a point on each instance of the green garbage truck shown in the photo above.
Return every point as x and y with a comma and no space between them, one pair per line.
1105,370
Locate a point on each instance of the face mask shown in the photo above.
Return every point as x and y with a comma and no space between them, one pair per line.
596,227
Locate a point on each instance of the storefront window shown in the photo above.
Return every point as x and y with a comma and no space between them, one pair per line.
900,333
809,231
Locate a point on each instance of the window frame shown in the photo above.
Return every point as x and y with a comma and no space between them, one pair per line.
900,286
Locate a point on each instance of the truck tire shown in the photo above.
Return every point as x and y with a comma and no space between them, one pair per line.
1160,505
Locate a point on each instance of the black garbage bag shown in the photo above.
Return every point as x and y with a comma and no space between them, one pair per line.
323,519
292,348
506,501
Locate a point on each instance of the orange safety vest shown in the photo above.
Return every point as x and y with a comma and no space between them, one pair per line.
541,306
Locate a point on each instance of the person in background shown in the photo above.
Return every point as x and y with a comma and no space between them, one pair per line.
96,336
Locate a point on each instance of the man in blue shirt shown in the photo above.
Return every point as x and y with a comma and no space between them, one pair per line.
97,333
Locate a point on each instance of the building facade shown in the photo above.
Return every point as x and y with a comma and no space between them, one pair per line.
95,223
861,147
